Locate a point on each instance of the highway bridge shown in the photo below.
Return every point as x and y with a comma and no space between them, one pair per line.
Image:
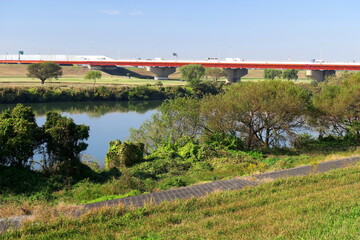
235,68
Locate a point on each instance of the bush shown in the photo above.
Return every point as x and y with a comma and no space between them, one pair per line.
173,182
124,154
225,141
303,141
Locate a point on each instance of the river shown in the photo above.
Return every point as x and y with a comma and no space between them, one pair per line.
107,120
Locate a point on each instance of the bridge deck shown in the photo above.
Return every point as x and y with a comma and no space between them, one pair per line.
220,64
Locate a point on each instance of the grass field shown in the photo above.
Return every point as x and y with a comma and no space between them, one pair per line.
15,75
76,81
324,206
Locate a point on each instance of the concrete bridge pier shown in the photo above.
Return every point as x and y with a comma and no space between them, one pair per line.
235,74
319,75
162,73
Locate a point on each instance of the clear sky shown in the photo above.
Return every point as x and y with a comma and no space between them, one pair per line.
194,29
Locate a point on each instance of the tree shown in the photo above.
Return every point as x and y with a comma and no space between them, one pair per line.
44,70
260,113
19,136
337,106
93,75
64,143
290,74
272,73
178,119
215,73
192,73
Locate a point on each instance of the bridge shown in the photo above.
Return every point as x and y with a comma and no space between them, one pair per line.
235,68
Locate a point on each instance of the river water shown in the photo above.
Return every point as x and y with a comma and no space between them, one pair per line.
107,120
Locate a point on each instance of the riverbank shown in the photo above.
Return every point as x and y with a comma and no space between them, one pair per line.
103,93
31,192
287,202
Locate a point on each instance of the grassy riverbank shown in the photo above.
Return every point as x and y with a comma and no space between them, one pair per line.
24,191
322,206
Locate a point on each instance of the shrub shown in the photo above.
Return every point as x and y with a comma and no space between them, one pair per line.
303,141
124,154
173,182
225,141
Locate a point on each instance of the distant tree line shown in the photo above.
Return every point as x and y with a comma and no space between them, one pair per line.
289,74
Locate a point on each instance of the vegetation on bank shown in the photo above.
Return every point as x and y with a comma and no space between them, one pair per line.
323,206
103,93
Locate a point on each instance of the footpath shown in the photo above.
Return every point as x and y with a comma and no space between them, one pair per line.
200,190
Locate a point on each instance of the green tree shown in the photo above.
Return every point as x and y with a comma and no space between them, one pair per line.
290,74
64,143
19,136
44,70
178,120
337,106
215,73
261,113
192,73
93,75
272,73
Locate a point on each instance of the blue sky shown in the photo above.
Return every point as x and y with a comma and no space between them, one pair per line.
195,29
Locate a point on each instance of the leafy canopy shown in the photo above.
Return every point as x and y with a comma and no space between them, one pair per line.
272,73
64,141
337,106
93,75
178,119
261,113
290,74
192,73
19,136
215,73
44,70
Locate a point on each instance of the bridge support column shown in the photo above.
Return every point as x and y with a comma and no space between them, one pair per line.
319,75
162,73
235,74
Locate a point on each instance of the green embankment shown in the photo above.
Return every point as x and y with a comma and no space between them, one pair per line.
324,206
14,75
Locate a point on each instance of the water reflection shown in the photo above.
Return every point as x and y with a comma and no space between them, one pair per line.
92,109
107,120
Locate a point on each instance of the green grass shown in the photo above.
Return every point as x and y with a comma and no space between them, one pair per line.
110,197
112,80
116,80
144,177
324,206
